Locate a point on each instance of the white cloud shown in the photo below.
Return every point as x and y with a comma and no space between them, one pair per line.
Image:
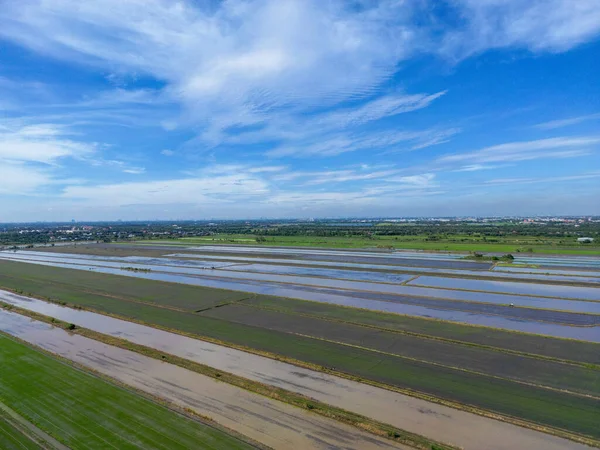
385,106
385,141
561,147
40,143
553,124
21,179
224,188
167,152
117,164
135,170
422,181
477,167
244,56
267,169
535,25
341,176
584,176
267,64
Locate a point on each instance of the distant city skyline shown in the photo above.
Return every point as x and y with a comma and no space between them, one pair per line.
156,109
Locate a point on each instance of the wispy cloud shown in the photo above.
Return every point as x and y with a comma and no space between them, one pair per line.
535,25
384,141
561,123
478,167
561,147
239,80
266,64
40,143
584,176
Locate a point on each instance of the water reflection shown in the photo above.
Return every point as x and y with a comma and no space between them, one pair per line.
297,287
573,292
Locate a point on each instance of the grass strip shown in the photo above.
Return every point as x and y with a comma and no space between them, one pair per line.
413,242
294,399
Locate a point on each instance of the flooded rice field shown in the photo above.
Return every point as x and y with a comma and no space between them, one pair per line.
381,258
549,309
546,290
267,265
229,279
262,419
565,272
283,266
267,421
570,262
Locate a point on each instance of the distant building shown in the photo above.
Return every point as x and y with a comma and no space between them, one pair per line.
585,240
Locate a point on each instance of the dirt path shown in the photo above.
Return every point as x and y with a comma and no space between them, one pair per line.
438,422
267,421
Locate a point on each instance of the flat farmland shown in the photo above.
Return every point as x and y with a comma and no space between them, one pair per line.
537,404
575,292
88,285
494,363
83,411
459,243
13,438
583,352
547,381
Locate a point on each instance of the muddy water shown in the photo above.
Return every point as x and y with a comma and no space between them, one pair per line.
573,292
272,423
264,420
340,298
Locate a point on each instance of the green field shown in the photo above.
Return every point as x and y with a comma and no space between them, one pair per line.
82,411
12,438
454,243
465,373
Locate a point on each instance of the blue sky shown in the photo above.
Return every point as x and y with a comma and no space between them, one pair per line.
156,109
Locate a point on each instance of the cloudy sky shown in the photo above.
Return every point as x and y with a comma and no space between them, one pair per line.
165,109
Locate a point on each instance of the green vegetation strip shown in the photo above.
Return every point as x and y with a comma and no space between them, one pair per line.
548,409
13,437
427,242
83,411
292,398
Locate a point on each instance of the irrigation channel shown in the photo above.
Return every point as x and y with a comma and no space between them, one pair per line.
567,311
264,420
